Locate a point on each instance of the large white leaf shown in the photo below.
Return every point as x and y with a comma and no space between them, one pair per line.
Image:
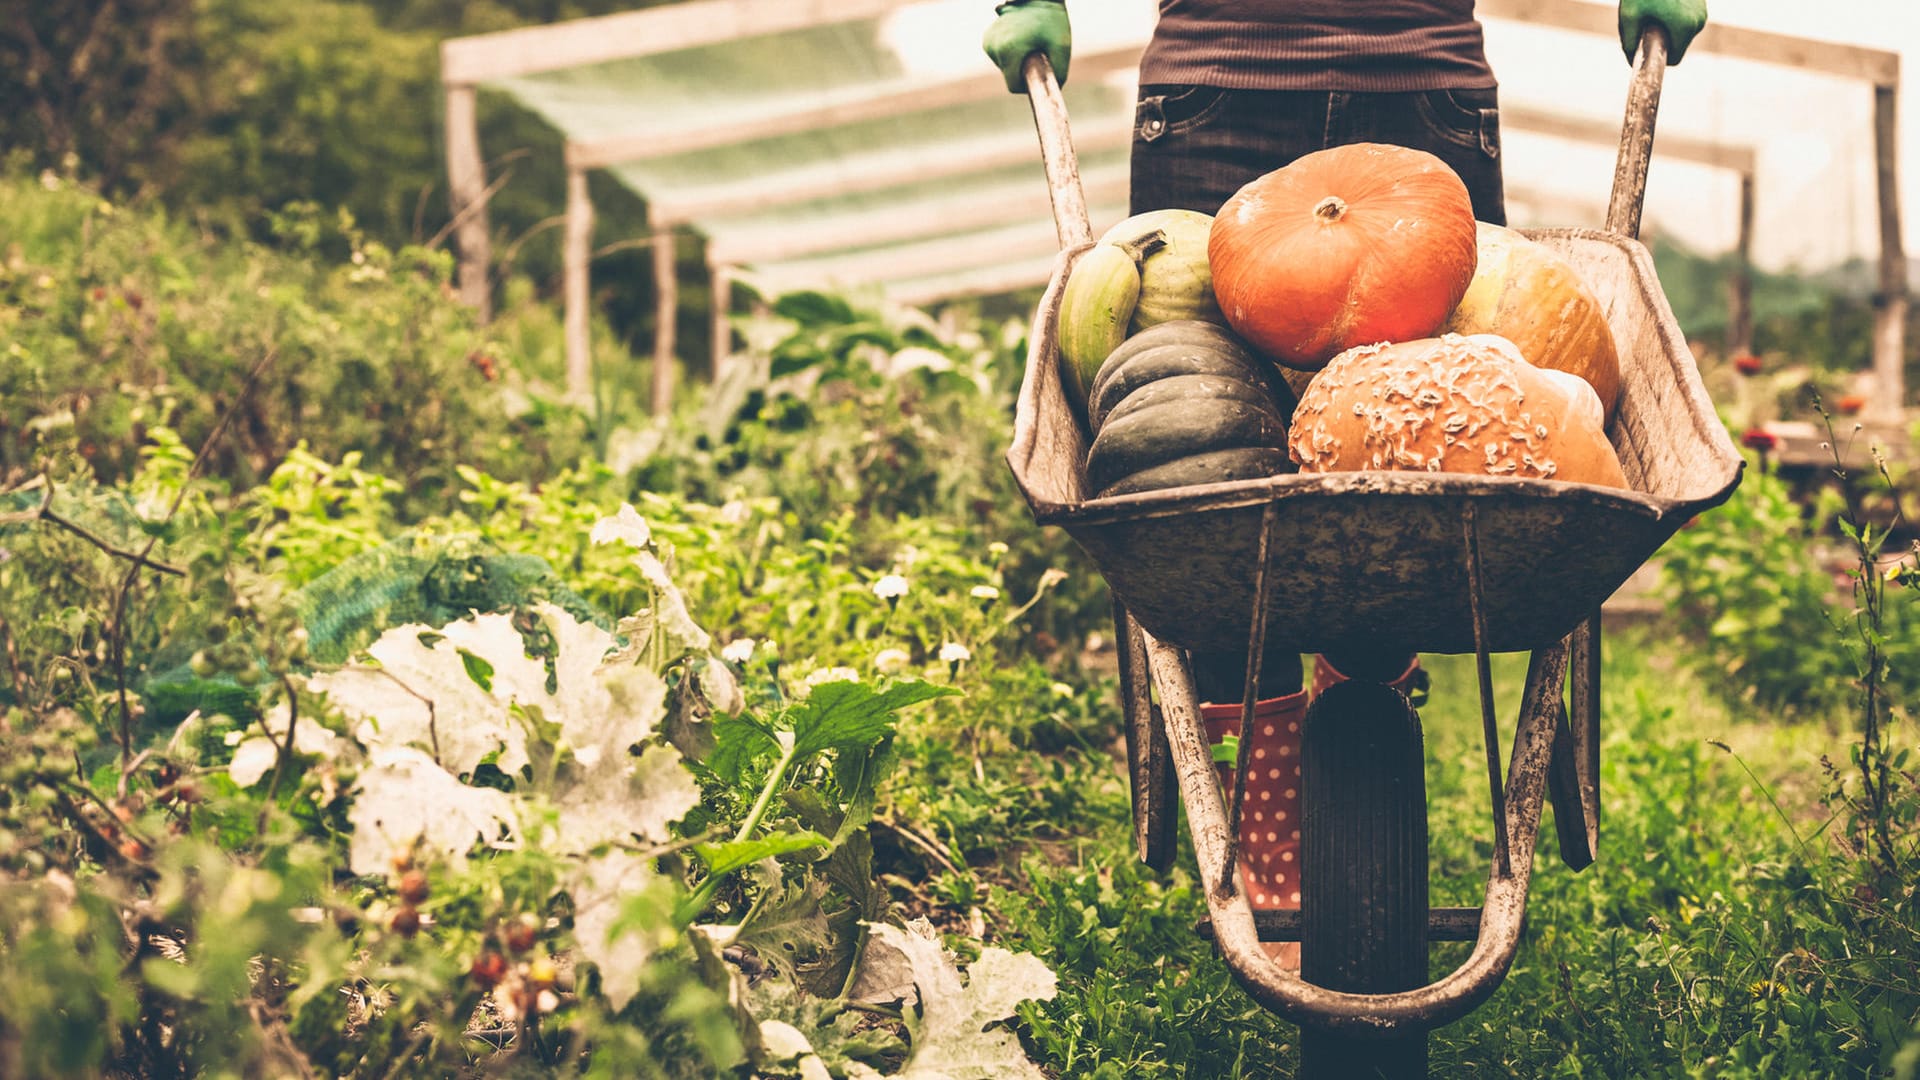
606,793
403,796
665,630
598,886
423,696
625,796
950,1040
257,754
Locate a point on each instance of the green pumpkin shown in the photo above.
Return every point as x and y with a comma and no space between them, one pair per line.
1184,403
1175,283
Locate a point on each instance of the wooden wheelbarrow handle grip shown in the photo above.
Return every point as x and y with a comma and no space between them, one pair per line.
1636,133
1056,152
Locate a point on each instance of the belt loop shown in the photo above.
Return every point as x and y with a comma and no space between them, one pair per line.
1336,113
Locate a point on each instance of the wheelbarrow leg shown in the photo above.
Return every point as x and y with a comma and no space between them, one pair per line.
1363,917
1149,761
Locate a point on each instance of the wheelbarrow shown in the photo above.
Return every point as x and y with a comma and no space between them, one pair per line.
1400,561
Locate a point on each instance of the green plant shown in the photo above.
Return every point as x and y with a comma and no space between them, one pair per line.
1745,583
120,321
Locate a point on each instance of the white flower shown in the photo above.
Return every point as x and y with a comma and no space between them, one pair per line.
996,548
831,674
739,650
890,588
889,661
953,652
984,592
914,357
1061,689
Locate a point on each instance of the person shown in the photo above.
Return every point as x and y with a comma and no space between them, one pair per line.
1229,91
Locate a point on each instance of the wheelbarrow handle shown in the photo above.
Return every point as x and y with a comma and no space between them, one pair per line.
1636,134
1056,152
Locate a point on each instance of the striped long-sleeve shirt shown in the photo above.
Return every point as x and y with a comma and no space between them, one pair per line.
1359,45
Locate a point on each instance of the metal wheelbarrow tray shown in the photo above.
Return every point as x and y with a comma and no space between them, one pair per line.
1379,559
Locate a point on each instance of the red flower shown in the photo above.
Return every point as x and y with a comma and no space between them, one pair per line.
1850,404
1747,364
1760,439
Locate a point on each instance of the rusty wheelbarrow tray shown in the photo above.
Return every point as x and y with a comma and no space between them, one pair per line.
1430,562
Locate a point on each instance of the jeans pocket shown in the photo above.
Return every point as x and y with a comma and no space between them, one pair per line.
1469,118
1174,109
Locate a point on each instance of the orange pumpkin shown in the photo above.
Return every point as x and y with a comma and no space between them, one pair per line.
1526,293
1344,247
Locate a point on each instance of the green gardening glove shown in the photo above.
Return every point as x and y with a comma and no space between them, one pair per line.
1682,19
1025,27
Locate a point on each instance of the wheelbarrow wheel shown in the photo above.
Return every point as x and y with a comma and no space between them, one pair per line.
1363,917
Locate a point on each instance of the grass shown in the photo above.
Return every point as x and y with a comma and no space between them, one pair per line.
1662,959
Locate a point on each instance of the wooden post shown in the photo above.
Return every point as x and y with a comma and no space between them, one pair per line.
1890,320
1740,287
720,277
578,277
467,190
667,291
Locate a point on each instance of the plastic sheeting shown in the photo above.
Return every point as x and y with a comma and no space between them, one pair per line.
949,198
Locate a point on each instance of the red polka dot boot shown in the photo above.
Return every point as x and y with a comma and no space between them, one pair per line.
1270,821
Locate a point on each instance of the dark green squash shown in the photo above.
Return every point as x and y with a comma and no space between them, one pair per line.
1185,403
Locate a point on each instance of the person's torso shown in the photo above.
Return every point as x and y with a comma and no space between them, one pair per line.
1359,45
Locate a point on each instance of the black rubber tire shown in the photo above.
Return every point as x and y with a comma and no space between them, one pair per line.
1363,846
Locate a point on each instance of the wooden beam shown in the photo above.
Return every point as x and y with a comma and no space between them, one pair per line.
577,274
864,173
1032,239
1561,125
578,42
666,287
1740,284
988,281
910,221
467,201
1880,67
883,102
720,308
1890,318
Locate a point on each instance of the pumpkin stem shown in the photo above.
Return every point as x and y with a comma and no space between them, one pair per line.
1331,208
1142,246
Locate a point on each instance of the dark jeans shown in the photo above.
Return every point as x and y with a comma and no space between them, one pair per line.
1194,146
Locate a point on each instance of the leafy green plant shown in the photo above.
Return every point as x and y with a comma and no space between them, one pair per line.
119,322
488,833
1749,583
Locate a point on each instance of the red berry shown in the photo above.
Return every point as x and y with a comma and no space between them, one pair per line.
413,886
521,933
488,969
1747,364
1850,404
405,922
